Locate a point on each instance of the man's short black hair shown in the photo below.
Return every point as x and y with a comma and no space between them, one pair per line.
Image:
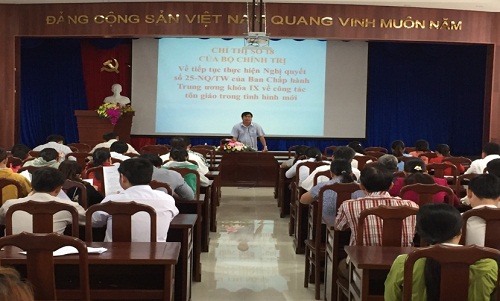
443,149
20,151
49,154
178,142
491,148
494,167
153,158
422,145
55,138
138,171
109,135
179,154
398,144
376,177
343,153
47,179
118,147
246,113
485,186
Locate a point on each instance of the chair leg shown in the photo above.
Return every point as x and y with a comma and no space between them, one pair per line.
317,275
307,271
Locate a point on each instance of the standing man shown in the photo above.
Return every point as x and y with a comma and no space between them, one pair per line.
247,132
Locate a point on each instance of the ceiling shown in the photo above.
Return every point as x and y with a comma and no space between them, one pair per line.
481,5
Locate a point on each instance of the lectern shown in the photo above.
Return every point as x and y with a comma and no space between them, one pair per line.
91,127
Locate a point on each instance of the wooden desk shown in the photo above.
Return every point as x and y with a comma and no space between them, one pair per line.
214,200
368,269
128,270
334,252
181,230
248,169
283,192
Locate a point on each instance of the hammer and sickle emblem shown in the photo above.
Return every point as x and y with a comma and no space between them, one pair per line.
110,66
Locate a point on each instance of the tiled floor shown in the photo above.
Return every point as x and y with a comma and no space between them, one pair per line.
251,256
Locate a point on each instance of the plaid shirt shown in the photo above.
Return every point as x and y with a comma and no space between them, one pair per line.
348,215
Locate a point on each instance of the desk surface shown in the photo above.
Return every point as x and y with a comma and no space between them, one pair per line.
144,253
375,258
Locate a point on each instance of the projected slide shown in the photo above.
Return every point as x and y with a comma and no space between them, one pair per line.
205,84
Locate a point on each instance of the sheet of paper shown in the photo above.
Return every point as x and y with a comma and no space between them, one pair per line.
72,250
112,179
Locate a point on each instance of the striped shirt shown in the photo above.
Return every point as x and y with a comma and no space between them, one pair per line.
348,215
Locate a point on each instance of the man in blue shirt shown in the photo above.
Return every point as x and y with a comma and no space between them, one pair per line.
247,132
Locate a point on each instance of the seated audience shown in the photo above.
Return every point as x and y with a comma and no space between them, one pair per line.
493,167
109,139
47,183
439,224
118,149
12,287
421,146
300,150
71,170
179,158
135,176
490,152
174,179
10,192
416,172
340,152
375,180
49,157
483,191
341,172
398,150
100,157
313,154
20,151
443,151
185,143
56,142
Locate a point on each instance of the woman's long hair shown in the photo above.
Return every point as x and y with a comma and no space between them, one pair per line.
436,223
342,168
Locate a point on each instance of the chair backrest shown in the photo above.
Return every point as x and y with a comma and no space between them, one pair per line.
363,159
429,155
426,192
324,173
42,216
376,149
462,180
81,157
291,151
131,155
40,261
491,217
310,165
157,149
30,169
404,158
399,174
9,182
455,262
81,147
192,178
392,223
80,190
457,161
375,154
329,150
157,184
34,154
122,219
438,169
207,151
99,173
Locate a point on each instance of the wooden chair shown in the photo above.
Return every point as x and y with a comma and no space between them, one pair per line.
40,261
392,226
329,150
376,149
186,172
122,219
404,158
9,182
324,173
298,212
462,181
291,151
42,216
399,174
457,161
429,155
207,151
315,243
81,147
157,184
34,154
157,149
99,173
81,157
455,262
375,154
30,169
491,217
438,170
131,155
362,160
80,190
426,192
115,160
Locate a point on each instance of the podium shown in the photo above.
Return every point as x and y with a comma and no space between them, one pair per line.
91,127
